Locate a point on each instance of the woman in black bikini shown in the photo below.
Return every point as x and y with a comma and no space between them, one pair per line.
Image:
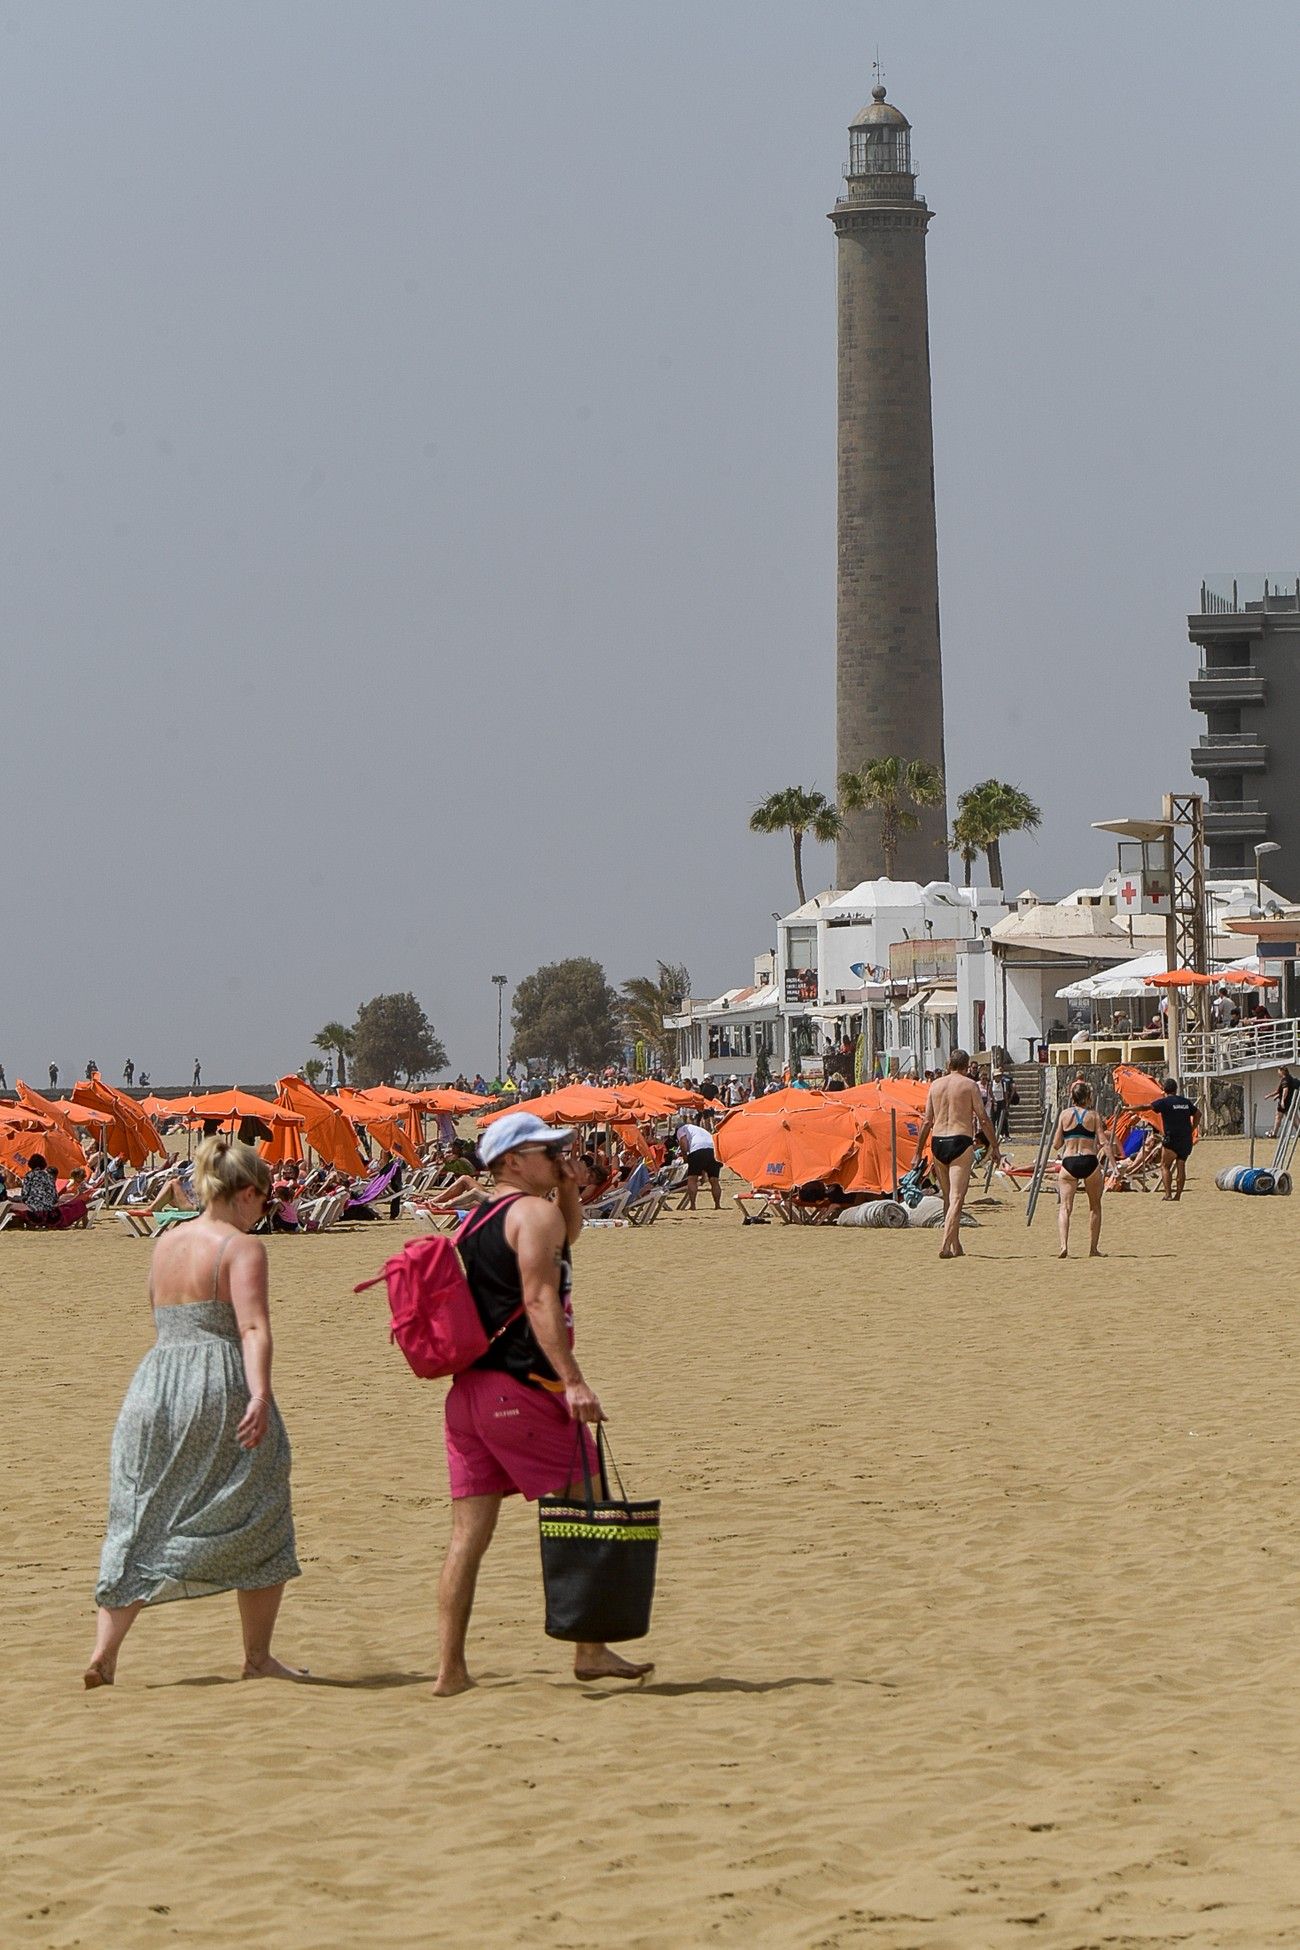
1081,1140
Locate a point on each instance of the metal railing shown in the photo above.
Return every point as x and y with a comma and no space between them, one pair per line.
1231,1052
1213,806
1235,596
1231,738
1227,674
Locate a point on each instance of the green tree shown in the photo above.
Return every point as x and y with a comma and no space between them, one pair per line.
890,787
313,1070
797,810
336,1036
967,840
393,1041
989,811
647,999
566,1013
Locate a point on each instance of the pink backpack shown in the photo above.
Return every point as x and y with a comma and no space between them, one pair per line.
434,1319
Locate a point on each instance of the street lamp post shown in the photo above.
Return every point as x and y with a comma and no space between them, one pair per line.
499,982
1264,846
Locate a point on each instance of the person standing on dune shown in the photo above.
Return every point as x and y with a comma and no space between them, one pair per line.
510,1419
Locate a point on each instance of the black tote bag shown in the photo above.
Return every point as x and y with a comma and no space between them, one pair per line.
598,1557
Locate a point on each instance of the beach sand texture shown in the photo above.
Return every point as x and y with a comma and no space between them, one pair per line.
976,1622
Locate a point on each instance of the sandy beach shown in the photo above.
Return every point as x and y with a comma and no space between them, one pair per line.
976,1622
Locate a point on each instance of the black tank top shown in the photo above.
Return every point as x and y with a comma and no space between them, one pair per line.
492,1269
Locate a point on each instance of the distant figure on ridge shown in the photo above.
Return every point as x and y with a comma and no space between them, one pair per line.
196,1081
128,1072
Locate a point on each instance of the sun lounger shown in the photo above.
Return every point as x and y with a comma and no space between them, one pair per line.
138,1220
319,1214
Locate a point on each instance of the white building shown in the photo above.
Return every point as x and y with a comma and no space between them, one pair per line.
1046,945
885,960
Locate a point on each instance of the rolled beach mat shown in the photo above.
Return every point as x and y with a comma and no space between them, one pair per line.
885,1212
927,1211
1252,1179
1282,1184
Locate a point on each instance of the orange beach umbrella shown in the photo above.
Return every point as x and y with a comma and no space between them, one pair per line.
325,1127
130,1135
579,1103
778,1149
24,1134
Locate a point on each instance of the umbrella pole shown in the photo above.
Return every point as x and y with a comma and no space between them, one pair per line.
1250,1110
893,1149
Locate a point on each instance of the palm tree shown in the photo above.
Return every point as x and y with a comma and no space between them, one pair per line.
796,811
647,999
967,840
988,811
890,787
338,1037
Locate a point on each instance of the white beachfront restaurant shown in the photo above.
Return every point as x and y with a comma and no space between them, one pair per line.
898,963
1051,962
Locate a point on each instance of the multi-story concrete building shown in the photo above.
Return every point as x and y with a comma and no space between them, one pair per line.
889,686
1248,686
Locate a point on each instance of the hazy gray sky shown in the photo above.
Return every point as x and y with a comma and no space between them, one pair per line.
419,471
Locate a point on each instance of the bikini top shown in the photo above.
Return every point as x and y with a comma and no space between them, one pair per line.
1079,1128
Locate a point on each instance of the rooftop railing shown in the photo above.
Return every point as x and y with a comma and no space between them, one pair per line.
1236,595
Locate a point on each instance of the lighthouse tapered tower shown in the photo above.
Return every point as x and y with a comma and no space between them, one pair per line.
889,685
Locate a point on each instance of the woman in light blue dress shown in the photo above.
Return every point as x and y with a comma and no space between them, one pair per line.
199,1472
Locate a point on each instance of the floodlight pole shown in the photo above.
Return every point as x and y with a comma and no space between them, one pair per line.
499,981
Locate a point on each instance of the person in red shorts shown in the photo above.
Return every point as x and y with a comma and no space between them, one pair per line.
510,1418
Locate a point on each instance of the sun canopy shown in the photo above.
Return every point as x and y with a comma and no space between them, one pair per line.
776,1150
130,1135
24,1136
226,1106
579,1103
649,1098
325,1128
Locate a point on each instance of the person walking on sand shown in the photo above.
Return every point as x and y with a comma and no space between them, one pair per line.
1179,1121
199,1472
196,1081
510,1419
954,1111
1080,1138
1282,1096
696,1147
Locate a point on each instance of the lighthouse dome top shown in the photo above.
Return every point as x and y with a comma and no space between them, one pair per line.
879,113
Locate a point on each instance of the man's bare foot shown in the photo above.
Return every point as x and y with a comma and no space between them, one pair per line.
447,1685
1096,1254
1064,1253
270,1668
98,1673
609,1666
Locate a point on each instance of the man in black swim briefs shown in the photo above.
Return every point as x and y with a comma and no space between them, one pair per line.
954,1110
1179,1120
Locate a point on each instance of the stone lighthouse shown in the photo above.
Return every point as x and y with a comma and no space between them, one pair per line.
889,684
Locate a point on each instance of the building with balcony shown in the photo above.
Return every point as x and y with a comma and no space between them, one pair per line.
1248,686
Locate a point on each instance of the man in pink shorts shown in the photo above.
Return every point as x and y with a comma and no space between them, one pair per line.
514,1420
